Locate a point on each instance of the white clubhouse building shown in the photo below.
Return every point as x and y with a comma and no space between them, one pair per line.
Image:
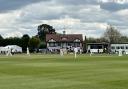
116,47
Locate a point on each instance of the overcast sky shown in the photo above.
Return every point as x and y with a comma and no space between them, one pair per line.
87,17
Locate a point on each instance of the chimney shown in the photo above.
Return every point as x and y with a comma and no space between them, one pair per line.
64,32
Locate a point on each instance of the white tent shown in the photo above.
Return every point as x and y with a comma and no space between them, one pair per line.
14,48
3,50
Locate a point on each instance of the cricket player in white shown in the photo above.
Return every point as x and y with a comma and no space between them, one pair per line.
75,51
120,52
61,52
28,53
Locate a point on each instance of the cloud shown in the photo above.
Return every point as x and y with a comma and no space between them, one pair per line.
84,16
13,34
9,5
71,25
123,12
75,2
112,6
9,25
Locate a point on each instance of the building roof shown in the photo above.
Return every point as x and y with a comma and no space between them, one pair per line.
64,37
97,43
120,43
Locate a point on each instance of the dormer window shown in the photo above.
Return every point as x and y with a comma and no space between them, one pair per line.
63,38
52,40
77,40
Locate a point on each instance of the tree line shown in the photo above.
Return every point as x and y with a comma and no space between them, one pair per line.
24,42
34,43
111,35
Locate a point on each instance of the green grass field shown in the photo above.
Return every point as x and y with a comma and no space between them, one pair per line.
55,72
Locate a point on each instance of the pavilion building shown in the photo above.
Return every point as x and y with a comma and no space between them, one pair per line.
97,47
116,47
65,41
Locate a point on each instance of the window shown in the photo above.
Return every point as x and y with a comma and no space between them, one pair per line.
70,44
52,44
117,47
112,47
59,44
52,40
56,44
63,38
126,47
99,46
77,40
122,47
77,44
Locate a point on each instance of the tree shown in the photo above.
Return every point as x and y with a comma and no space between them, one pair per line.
45,29
124,39
1,40
91,40
112,35
12,41
34,43
42,45
1,37
25,39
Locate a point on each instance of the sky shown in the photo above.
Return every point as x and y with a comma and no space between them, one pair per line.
87,17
